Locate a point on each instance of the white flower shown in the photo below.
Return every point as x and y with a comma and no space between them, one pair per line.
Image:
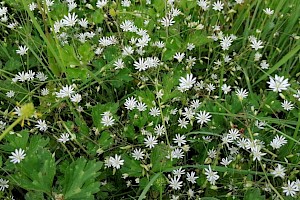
101,3
3,11
177,153
72,5
10,94
30,75
83,23
22,50
257,154
138,154
297,95
190,193
107,120
256,44
160,129
116,161
187,83
159,94
279,171
76,98
195,104
226,42
188,113
278,84
239,1
211,176
18,111
190,46
268,11
125,3
210,87
218,6
140,65
290,189
212,153
227,139
2,125
179,56
154,112
203,4
17,156
259,124
41,76
44,91
241,93
130,103
150,141
127,50
69,20
42,125
178,172
3,184
287,105
159,44
167,21
98,51
174,12
234,133
174,197
141,106
191,177
264,64
182,123
278,142
66,91
119,64
257,56
179,139
175,183
225,161
64,138
226,88
21,76
107,41
203,117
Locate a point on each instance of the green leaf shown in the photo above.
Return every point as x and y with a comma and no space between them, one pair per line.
158,5
105,140
131,167
253,194
79,179
69,55
129,132
34,195
122,77
36,172
86,52
158,158
76,73
198,38
12,64
97,16
18,140
110,52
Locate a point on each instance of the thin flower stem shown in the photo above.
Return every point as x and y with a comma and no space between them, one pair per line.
8,129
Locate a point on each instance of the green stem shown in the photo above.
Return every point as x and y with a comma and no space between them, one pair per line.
6,131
